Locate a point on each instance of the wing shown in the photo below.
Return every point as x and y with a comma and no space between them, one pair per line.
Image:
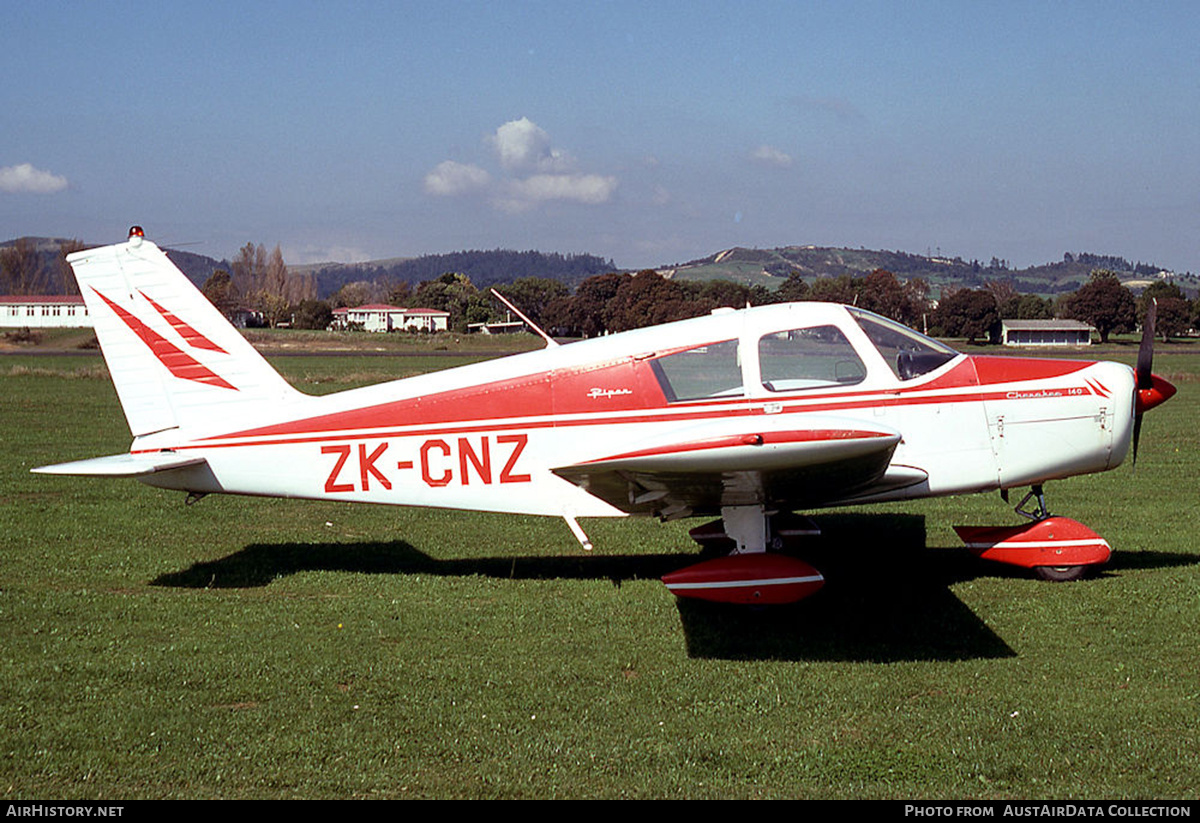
698,470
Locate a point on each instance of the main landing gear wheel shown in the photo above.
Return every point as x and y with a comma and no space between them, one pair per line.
1060,574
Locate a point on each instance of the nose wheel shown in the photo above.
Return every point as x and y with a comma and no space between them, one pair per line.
1054,548
1060,574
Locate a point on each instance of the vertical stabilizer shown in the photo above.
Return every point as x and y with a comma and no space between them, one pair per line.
175,360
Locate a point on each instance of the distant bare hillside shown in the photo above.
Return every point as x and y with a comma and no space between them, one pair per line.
770,267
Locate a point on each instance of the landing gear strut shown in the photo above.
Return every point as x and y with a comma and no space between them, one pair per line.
1041,513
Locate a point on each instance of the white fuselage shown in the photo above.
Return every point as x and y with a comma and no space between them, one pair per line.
489,436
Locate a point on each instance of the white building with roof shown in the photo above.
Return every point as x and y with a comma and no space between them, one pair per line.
1045,333
384,318
44,311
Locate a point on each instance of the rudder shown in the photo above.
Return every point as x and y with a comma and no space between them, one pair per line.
175,360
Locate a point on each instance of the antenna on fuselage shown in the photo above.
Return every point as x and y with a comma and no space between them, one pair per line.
550,341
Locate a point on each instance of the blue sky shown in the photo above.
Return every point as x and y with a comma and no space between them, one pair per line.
650,132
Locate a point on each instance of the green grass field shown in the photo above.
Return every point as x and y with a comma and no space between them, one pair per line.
246,648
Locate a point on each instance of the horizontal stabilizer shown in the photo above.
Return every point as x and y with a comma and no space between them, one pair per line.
122,465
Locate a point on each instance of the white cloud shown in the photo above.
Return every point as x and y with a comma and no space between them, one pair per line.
449,178
24,178
533,172
308,254
771,156
591,189
524,146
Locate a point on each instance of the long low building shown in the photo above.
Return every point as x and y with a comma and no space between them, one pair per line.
44,311
1045,333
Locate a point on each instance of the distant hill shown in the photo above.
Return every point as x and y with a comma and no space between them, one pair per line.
197,267
767,267
485,268
49,249
770,267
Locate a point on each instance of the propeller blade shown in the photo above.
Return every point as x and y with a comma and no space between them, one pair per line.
1137,433
1144,371
1145,359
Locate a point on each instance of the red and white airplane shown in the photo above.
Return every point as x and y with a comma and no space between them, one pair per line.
748,415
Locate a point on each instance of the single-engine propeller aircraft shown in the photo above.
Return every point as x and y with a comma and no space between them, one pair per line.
749,415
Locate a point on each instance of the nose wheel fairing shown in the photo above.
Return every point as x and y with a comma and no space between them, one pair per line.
1055,543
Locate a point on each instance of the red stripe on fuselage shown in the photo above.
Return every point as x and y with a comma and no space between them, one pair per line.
521,403
570,392
992,369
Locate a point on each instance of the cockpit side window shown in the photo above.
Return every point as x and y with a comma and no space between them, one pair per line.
908,353
702,372
810,358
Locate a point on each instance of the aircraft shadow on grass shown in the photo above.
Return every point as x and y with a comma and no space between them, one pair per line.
887,595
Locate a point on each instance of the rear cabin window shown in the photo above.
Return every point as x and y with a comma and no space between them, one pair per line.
817,357
703,372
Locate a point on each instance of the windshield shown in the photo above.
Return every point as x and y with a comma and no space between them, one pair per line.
908,353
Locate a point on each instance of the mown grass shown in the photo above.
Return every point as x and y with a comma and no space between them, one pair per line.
245,648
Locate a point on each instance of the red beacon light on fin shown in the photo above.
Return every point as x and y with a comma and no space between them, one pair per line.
136,235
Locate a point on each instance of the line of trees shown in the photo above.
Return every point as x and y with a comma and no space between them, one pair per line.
616,302
260,285
1103,302
259,282
24,270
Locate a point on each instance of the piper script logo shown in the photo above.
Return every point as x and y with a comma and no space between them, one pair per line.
598,392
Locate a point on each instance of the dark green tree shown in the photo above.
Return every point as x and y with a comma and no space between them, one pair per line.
585,312
1174,315
532,295
647,299
313,314
1104,303
840,289
1027,307
969,313
792,290
455,293
883,293
218,288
